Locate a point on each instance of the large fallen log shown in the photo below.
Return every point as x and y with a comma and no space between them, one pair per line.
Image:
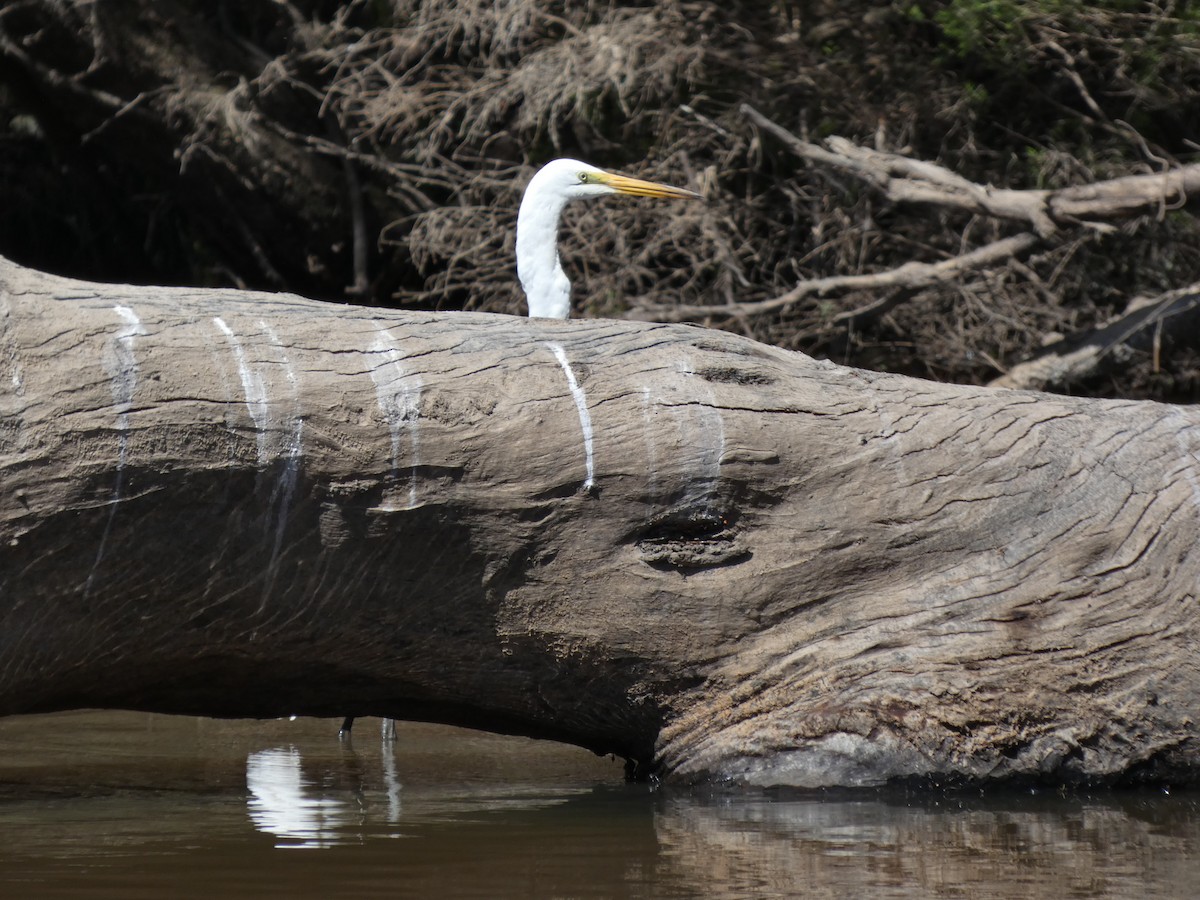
712,557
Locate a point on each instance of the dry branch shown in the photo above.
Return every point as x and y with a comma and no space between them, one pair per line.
906,180
1047,213
910,276
1079,356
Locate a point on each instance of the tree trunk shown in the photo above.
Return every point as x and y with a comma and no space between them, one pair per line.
716,558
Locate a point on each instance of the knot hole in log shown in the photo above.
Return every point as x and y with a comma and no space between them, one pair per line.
693,538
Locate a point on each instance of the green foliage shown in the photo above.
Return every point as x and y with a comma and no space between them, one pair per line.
1116,45
990,28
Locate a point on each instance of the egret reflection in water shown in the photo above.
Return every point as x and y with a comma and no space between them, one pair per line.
303,812
284,803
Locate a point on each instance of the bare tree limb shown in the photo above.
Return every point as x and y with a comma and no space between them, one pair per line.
910,180
915,181
911,275
1076,357
902,179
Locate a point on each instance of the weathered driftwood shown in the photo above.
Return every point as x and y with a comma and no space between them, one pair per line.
716,558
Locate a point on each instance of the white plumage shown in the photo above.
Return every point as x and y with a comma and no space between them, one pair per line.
547,288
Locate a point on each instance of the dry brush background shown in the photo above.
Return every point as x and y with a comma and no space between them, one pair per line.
376,151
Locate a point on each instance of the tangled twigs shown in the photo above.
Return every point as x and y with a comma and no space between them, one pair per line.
93,99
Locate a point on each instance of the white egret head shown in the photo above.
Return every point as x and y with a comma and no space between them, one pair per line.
547,288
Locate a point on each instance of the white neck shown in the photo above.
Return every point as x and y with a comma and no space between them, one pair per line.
547,289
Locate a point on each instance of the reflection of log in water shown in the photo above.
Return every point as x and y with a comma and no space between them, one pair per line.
733,846
150,804
1010,846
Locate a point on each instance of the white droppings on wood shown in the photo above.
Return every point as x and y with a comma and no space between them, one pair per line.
702,429
648,439
290,432
253,388
296,425
689,402
398,393
273,337
585,418
285,490
120,364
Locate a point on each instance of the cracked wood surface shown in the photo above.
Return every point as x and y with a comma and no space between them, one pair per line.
719,559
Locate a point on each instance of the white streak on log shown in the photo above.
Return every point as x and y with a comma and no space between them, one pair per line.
398,393
585,419
707,435
648,432
285,489
253,388
120,364
258,404
296,425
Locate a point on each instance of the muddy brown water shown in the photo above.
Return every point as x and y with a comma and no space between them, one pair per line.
128,805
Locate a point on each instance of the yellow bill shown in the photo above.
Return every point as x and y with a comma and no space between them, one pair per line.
638,188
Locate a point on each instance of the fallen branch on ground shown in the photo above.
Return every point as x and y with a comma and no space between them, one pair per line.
1141,327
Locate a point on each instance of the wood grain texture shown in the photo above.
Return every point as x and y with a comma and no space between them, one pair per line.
782,571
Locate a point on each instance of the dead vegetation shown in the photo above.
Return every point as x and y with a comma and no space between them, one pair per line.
377,151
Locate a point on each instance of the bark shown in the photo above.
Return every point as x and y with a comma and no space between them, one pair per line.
716,558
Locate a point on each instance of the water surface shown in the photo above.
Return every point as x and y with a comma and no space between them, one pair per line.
129,805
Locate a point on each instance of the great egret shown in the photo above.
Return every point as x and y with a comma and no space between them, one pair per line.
547,288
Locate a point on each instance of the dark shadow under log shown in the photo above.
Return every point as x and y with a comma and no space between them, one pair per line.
716,558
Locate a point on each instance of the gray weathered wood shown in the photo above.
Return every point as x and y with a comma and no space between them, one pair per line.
717,558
